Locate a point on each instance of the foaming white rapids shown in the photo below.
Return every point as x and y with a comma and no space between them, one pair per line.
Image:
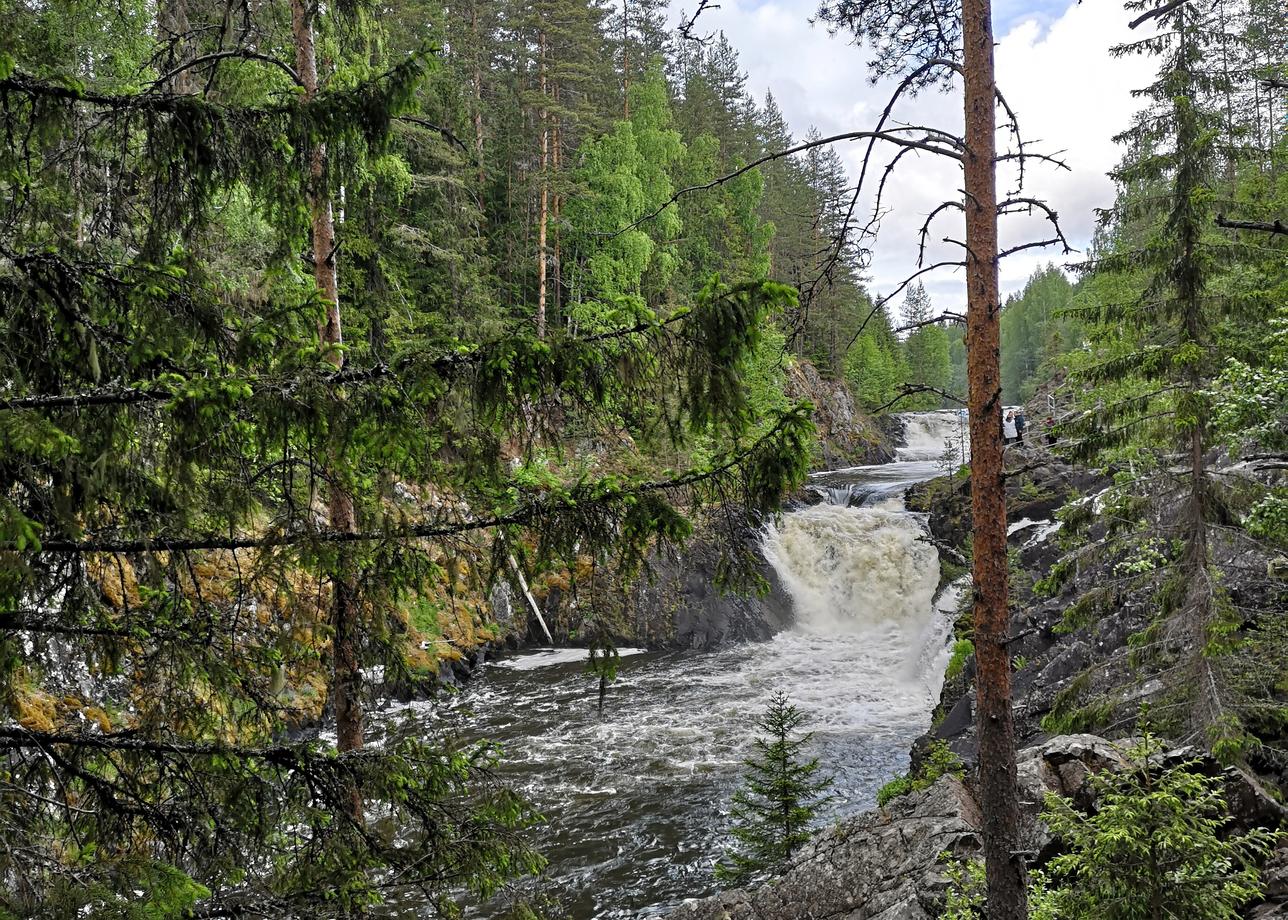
934,436
862,582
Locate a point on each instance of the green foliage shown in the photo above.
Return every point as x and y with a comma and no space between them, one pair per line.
963,649
926,351
780,797
1156,845
939,761
1050,584
967,889
1036,330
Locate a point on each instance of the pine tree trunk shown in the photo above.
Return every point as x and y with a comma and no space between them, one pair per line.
626,59
478,94
999,793
555,205
174,28
543,215
346,685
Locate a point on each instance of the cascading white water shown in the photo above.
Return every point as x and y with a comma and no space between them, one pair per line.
862,582
935,435
849,570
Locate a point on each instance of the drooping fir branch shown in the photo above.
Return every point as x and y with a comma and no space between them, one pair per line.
772,464
701,326
217,809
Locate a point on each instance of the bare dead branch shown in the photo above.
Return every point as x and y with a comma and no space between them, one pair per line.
242,53
446,133
912,389
891,137
1275,226
1156,13
946,317
923,233
687,23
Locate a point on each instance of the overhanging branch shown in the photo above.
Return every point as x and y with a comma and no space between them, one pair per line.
1274,226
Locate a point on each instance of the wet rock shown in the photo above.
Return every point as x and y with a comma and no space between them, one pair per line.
847,435
959,719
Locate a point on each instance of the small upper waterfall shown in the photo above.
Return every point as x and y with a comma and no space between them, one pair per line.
940,435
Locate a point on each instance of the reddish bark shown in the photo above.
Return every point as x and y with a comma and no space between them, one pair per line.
999,792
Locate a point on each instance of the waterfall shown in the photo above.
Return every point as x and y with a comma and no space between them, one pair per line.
865,576
933,435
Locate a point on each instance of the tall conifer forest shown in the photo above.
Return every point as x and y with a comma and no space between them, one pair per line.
331,330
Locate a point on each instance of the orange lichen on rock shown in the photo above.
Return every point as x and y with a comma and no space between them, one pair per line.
115,577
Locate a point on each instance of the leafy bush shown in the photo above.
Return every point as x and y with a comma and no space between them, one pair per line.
940,761
1154,847
967,889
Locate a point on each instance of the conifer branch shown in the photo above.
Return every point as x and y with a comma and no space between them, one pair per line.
529,512
443,363
243,53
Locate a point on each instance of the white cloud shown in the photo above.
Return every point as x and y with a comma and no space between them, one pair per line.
1054,68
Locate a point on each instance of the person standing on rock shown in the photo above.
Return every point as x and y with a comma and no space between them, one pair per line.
1008,428
1020,422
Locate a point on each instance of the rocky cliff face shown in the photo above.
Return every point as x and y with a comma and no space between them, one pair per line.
847,435
1090,595
675,604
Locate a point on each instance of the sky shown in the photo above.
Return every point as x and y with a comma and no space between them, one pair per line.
1053,66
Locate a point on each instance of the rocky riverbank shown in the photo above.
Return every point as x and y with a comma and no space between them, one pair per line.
891,863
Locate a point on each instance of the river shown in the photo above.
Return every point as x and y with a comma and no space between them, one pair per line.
637,799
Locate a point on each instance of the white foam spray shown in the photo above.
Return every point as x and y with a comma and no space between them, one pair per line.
932,435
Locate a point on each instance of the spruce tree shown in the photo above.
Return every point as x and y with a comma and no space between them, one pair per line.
1154,315
780,797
